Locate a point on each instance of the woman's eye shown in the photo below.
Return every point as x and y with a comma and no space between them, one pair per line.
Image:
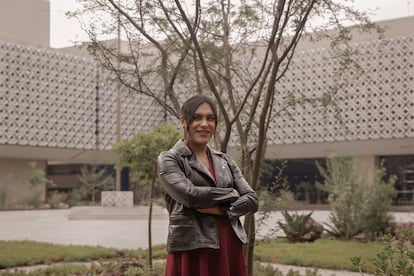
209,118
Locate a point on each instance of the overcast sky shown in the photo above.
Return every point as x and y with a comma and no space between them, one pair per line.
380,10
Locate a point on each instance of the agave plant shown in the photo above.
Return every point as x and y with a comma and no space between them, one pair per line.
296,226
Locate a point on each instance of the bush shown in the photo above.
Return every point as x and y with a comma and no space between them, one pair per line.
4,195
37,179
396,258
360,203
96,179
56,198
400,231
76,196
34,200
300,227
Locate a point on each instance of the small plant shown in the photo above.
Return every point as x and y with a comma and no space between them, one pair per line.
38,181
95,179
34,199
273,197
4,193
56,198
76,195
296,226
396,258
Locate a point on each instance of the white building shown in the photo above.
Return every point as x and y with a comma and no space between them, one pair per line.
59,109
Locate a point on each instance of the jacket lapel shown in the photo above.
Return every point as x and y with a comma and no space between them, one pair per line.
219,164
197,165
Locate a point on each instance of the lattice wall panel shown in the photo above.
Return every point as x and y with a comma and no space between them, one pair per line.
51,99
106,103
46,98
375,103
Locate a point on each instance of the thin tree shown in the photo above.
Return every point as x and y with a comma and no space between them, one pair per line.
140,154
234,51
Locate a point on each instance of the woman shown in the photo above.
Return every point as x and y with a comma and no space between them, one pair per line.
205,194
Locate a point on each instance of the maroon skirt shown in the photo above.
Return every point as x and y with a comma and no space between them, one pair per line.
226,261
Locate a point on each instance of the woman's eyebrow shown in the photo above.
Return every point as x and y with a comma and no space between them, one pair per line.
208,114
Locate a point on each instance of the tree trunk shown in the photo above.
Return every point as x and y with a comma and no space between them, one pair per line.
249,220
249,225
154,171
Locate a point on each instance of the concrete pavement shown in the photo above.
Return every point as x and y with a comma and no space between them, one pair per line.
54,226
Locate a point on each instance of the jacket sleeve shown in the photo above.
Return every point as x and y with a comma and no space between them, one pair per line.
248,201
175,183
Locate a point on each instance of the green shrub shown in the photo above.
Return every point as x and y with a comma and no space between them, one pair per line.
38,181
76,196
295,226
4,194
95,179
396,258
359,203
56,198
34,199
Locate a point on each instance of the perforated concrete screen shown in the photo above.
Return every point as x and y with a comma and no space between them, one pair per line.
47,98
375,101
55,100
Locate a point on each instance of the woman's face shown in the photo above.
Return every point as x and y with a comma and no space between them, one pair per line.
200,131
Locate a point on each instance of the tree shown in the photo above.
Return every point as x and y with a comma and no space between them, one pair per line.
141,151
140,155
234,51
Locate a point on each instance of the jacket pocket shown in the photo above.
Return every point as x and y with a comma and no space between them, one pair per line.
181,229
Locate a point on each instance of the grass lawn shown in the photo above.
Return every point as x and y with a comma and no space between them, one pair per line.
323,253
24,253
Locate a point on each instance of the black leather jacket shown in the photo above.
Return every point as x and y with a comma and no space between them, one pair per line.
189,229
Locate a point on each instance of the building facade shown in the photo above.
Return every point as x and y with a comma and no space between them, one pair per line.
59,110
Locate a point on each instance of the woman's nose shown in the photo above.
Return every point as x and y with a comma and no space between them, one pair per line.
204,121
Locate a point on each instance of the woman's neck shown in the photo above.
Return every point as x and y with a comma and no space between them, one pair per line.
197,149
201,152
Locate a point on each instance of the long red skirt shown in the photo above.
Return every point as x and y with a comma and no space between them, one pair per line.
226,261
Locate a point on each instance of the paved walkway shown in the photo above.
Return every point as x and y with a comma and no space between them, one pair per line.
54,226
131,232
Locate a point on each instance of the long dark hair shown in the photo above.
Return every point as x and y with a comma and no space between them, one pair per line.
190,106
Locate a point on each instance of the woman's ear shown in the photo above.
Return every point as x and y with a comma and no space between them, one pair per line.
183,123
184,126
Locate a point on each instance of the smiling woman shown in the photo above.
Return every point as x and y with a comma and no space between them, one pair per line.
205,195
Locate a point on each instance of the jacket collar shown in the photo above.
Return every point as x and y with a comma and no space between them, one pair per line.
182,148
